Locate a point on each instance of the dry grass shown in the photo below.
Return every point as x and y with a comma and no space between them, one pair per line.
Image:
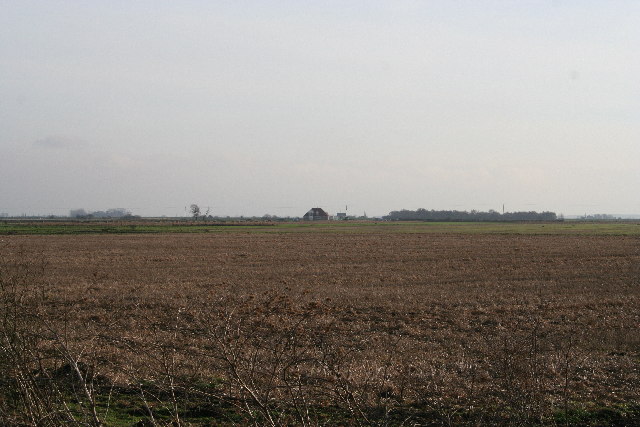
372,328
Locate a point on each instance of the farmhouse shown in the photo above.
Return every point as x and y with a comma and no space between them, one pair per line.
316,214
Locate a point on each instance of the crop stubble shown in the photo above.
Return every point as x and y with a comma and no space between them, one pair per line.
443,319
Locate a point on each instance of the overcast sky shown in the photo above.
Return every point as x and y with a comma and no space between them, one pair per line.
256,107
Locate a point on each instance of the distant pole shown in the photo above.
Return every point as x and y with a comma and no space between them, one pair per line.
503,209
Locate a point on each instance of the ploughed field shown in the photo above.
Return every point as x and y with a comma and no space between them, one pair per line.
323,328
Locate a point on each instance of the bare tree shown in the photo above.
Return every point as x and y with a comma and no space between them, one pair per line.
195,211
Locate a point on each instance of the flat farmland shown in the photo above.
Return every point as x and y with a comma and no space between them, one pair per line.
370,327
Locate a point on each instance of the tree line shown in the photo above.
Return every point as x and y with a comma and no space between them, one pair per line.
491,215
109,213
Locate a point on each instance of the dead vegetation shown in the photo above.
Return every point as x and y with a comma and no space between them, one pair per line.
311,329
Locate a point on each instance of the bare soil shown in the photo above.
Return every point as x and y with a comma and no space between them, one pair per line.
532,324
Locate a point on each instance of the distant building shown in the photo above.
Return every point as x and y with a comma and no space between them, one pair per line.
341,215
316,214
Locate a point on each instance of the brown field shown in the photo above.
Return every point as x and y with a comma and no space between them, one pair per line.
323,328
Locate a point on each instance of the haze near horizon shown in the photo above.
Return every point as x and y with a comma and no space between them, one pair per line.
274,107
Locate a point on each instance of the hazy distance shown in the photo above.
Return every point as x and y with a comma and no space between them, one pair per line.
275,107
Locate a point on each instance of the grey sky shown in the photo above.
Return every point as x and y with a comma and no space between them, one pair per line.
254,107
